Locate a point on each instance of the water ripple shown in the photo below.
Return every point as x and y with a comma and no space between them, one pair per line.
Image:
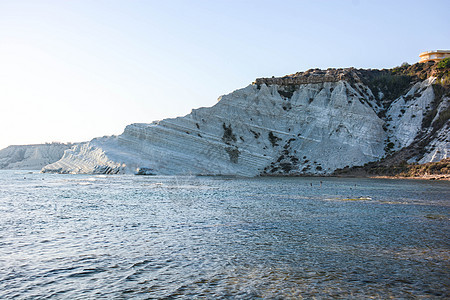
89,237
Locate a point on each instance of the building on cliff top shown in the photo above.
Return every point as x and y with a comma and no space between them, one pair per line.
434,55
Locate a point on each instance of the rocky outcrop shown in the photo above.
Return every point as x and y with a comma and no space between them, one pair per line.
31,157
312,123
310,76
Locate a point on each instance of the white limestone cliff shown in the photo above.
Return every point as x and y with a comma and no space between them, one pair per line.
406,113
291,125
439,147
31,157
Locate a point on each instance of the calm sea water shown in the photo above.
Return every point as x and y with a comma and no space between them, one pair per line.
116,237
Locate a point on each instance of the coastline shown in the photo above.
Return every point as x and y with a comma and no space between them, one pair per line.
436,177
429,171
445,177
442,177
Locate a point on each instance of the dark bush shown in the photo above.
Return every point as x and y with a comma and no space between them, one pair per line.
273,139
228,135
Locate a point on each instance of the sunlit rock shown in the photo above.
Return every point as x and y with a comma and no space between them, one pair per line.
306,123
31,157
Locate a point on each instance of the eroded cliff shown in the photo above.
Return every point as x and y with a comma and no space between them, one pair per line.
31,157
312,122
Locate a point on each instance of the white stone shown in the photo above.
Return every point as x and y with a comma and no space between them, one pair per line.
407,115
31,157
326,123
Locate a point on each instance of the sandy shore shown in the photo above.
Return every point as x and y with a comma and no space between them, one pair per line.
445,177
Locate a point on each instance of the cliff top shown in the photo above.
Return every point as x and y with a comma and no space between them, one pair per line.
385,84
415,72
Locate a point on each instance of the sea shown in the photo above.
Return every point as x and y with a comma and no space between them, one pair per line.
190,237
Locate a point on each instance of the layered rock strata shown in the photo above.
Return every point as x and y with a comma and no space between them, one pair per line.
306,123
31,157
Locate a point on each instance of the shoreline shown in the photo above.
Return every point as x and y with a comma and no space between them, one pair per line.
436,177
441,177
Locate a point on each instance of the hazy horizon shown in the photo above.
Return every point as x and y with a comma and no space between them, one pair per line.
74,70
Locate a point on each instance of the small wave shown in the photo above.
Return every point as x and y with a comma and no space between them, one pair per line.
87,272
357,199
436,217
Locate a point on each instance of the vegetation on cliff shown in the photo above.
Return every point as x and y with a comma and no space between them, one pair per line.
392,83
403,169
307,123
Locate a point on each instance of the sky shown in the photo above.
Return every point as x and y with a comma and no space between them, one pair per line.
74,70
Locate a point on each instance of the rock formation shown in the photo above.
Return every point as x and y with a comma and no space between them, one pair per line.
31,157
308,123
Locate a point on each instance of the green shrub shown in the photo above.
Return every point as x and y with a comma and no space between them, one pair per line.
443,64
391,85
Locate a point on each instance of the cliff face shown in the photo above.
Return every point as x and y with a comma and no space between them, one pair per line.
306,123
31,157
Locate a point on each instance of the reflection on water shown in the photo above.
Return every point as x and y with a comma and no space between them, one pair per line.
80,236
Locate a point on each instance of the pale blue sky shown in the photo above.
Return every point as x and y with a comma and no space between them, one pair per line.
74,70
